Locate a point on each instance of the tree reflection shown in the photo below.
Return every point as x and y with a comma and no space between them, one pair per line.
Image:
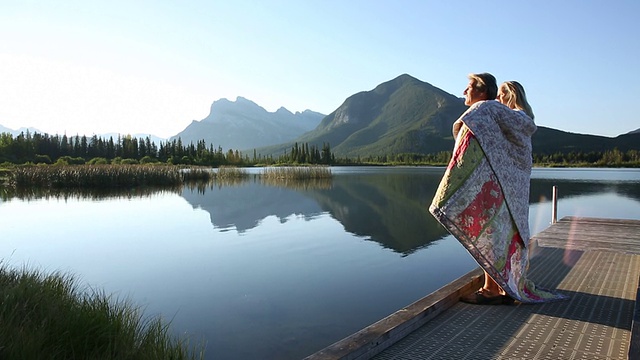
387,206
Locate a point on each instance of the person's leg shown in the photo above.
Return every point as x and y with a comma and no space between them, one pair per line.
489,294
490,287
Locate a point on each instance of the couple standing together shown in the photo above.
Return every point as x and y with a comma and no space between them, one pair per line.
483,198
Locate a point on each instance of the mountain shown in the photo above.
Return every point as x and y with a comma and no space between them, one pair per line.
154,139
636,131
243,125
17,132
32,130
550,141
404,115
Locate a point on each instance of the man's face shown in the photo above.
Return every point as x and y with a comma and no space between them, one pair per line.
472,95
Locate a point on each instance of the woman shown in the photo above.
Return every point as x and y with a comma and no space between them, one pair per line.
511,94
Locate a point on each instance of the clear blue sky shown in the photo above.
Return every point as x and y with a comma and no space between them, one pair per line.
83,66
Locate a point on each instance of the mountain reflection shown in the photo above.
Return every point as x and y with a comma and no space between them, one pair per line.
385,205
388,207
244,205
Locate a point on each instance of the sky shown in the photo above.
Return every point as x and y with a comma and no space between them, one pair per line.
94,67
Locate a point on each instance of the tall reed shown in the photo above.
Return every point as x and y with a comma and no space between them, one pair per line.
230,172
49,317
114,176
94,176
297,173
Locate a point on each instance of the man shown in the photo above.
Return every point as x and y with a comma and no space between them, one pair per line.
481,87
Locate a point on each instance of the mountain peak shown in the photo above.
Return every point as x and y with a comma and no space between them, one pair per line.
282,110
243,124
241,100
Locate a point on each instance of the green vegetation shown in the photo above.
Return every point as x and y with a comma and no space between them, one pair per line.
49,317
230,173
42,149
608,158
297,173
104,176
37,148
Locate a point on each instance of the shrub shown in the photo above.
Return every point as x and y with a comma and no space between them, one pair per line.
148,160
42,159
98,161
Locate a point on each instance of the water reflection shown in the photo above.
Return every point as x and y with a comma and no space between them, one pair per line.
541,188
274,270
243,205
36,193
381,205
389,208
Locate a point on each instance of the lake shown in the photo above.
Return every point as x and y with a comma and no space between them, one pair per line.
266,271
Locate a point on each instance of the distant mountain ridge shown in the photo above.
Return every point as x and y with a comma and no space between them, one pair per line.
406,115
242,125
31,130
16,132
403,115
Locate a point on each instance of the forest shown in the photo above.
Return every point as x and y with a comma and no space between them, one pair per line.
37,148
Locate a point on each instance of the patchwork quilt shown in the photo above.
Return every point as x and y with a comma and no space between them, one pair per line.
483,197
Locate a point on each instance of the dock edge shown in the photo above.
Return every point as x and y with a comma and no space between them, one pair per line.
378,336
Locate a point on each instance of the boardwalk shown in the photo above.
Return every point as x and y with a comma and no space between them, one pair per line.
594,261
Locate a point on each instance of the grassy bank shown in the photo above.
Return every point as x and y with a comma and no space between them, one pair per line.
136,176
110,176
49,317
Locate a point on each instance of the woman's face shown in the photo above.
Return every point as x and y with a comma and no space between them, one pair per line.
502,95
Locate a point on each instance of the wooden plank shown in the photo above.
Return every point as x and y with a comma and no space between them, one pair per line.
611,236
634,346
594,225
618,235
632,222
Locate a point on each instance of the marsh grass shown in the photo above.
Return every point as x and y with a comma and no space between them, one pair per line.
94,176
49,317
230,173
114,176
297,173
122,176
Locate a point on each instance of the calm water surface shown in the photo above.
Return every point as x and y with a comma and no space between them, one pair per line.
258,271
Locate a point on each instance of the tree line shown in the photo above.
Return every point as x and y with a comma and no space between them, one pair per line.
40,148
62,149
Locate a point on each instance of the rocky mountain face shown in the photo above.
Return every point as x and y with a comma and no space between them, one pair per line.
244,125
404,115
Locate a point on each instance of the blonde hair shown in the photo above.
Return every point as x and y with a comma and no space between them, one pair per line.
515,97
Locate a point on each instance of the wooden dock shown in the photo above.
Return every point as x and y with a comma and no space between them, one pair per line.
594,261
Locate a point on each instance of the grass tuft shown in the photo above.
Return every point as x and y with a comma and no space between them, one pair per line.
49,317
297,173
